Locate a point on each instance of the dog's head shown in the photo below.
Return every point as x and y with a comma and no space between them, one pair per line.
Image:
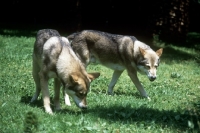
149,62
79,87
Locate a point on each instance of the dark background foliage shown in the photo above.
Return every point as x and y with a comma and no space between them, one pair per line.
170,19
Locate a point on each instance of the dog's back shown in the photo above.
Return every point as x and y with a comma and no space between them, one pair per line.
97,35
104,48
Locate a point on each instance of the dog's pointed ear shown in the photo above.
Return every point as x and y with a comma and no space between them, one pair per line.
142,51
73,78
159,52
93,76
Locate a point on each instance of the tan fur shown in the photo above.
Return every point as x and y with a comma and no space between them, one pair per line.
117,52
159,52
54,58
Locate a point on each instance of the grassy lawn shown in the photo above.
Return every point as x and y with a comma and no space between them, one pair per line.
174,105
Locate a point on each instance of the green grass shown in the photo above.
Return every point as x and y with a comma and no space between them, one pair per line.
174,105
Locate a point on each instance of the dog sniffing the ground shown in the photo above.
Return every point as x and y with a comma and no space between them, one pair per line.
117,52
53,57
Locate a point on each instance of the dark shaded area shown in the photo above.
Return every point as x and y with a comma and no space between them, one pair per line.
170,19
31,123
126,114
26,100
169,118
38,103
18,32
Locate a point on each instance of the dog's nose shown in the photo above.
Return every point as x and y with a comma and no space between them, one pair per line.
85,107
152,78
82,106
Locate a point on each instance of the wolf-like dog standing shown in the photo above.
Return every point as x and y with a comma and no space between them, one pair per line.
53,57
117,52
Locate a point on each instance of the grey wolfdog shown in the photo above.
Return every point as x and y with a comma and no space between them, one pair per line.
117,52
53,57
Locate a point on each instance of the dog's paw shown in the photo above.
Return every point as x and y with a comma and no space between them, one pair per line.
33,99
110,93
49,112
57,108
32,102
148,98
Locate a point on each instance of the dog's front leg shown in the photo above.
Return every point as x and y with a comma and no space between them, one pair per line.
133,75
57,85
66,97
115,77
45,92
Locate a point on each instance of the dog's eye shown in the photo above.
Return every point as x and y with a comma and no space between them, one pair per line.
142,63
148,67
81,94
70,87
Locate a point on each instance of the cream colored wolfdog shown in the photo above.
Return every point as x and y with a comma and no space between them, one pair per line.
117,52
54,58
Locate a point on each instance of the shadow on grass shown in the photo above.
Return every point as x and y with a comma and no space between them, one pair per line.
26,100
189,120
170,54
150,116
39,103
146,117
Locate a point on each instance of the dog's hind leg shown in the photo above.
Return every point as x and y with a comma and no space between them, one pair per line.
115,77
133,75
57,85
35,74
45,92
